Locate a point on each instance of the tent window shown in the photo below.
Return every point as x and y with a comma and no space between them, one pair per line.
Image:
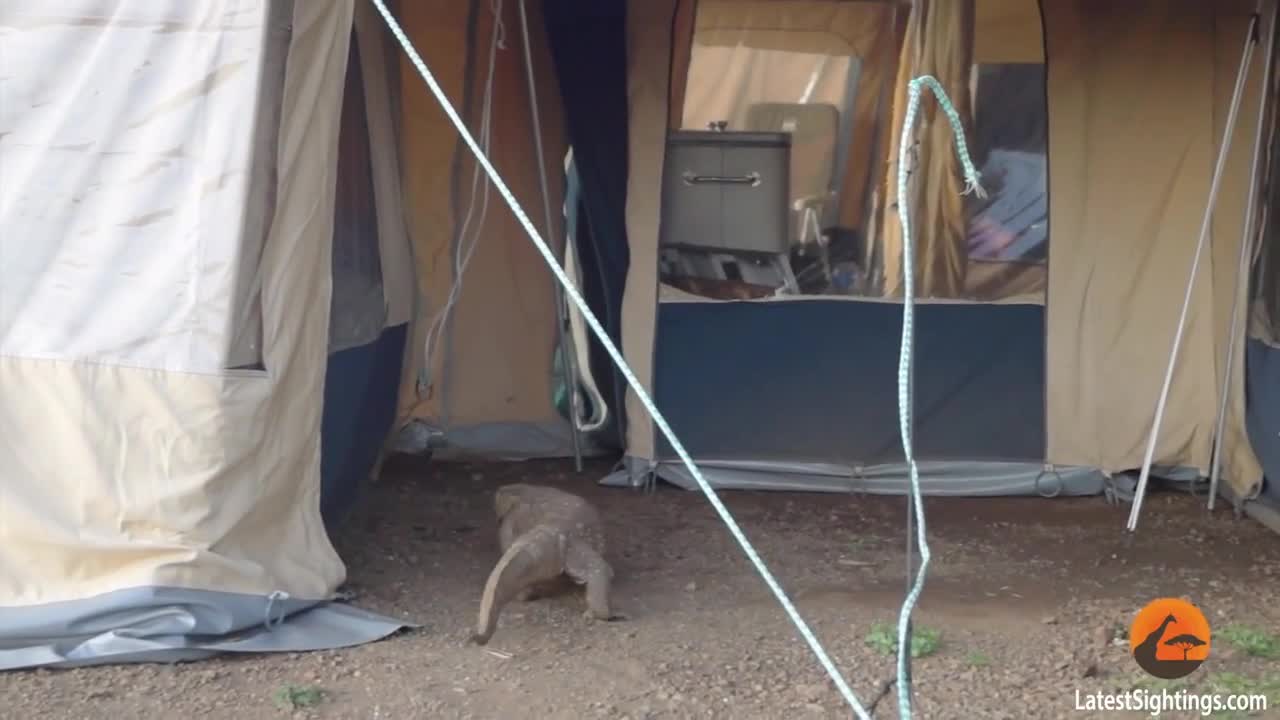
358,309
978,249
808,95
1010,133
783,77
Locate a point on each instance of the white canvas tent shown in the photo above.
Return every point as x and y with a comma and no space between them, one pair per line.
227,231
167,194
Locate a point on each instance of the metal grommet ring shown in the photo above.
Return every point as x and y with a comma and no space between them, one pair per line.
1059,485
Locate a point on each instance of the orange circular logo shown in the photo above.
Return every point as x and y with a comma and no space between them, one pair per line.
1169,638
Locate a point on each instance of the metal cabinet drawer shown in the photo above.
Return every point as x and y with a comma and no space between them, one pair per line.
726,191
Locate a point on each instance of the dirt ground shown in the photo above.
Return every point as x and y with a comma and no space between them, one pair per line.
1024,596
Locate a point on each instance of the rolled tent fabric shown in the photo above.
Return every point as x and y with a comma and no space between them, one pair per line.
357,305
939,43
378,55
649,46
682,31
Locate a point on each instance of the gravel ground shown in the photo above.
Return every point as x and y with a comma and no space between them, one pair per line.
1023,594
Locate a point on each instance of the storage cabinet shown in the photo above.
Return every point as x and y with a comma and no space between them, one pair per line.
726,191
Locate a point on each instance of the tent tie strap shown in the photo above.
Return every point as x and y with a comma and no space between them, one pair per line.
905,148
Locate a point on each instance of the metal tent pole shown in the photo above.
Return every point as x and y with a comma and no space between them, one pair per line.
568,356
1141,490
1247,237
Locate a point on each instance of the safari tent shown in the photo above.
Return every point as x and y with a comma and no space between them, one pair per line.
243,253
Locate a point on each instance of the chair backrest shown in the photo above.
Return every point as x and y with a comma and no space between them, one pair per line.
814,129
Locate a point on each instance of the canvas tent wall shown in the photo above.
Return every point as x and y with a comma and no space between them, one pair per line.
799,392
168,180
214,529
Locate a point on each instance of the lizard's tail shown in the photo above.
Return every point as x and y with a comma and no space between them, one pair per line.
531,558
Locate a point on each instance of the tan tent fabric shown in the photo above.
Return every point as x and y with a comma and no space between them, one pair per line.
993,281
725,81
725,75
649,50
428,143
681,55
504,321
393,237
822,26
1134,88
1007,31
135,497
938,217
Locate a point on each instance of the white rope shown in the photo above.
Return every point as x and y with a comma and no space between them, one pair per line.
904,355
618,359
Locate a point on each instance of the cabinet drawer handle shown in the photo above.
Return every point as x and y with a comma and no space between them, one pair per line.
752,179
